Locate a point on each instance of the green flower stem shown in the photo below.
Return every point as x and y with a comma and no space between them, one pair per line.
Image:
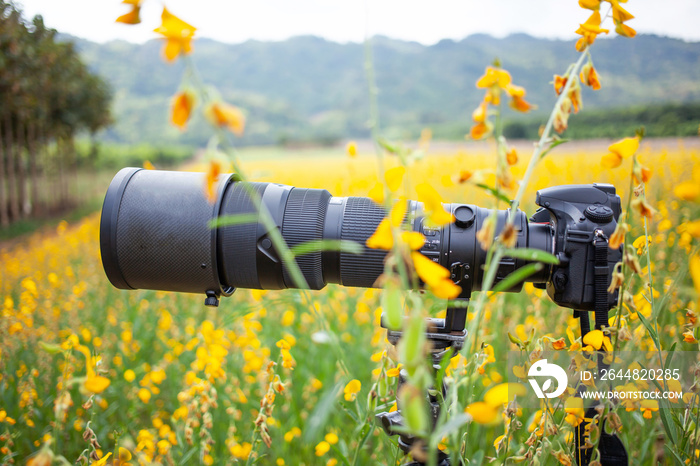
545,138
490,270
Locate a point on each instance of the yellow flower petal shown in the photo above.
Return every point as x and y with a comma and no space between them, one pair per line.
688,190
393,177
428,271
224,115
625,147
398,212
96,384
377,193
445,289
352,389
124,454
611,161
594,338
413,239
102,461
695,271
504,393
132,17
482,413
177,33
181,108
381,238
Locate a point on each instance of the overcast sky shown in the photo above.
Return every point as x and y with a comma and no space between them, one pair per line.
347,20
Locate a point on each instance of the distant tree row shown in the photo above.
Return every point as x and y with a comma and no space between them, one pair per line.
47,97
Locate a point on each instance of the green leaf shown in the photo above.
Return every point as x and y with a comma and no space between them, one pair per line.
675,455
389,146
530,254
350,247
319,417
50,348
236,219
453,424
554,144
650,329
517,277
669,427
393,312
497,193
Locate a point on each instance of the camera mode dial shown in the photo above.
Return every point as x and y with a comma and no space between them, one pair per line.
599,213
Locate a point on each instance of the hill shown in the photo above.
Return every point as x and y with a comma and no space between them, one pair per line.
309,88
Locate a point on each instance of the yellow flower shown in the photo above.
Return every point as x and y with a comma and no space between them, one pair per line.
144,395
43,458
223,115
322,448
494,77
181,108
214,170
611,161
331,438
435,276
132,17
351,148
124,455
504,393
177,33
625,147
483,413
597,339
689,337
643,208
589,30
618,236
129,375
433,205
351,390
93,383
559,83
589,77
479,115
559,344
624,30
382,237
573,407
394,177
695,271
688,190
512,156
589,4
102,461
647,406
480,130
620,14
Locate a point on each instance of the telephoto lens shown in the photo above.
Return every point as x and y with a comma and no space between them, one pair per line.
156,233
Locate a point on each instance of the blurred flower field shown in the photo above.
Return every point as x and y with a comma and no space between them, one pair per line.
158,378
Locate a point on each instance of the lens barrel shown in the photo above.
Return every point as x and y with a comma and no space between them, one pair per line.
156,233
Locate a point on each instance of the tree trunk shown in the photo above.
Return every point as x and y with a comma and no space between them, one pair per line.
24,202
11,172
33,175
4,215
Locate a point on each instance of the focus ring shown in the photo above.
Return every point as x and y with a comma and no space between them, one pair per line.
304,216
360,220
238,241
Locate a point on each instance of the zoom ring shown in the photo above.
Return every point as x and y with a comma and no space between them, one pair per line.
304,216
360,220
